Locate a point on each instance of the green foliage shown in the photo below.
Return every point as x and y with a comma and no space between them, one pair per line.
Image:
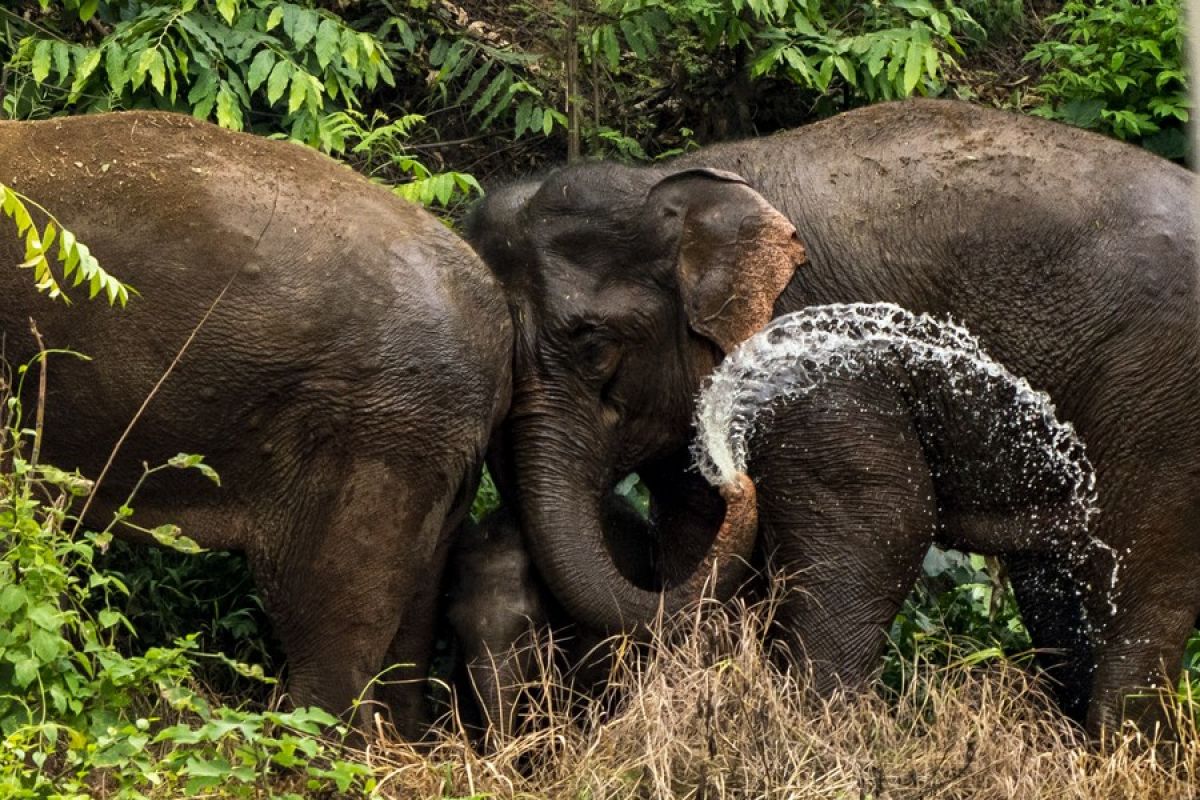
1117,66
961,609
77,263
76,712
283,69
224,61
873,50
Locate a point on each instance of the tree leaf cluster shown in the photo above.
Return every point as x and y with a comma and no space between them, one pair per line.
1117,67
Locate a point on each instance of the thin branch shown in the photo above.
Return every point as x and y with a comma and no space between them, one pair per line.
40,417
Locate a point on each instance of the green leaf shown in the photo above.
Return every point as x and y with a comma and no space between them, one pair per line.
41,60
227,9
912,64
24,672
84,71
229,111
278,81
12,597
304,28
328,38
158,78
116,66
260,68
274,18
62,61
298,93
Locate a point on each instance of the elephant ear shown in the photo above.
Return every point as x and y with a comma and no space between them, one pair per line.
736,253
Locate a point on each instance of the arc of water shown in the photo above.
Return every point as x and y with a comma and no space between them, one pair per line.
797,352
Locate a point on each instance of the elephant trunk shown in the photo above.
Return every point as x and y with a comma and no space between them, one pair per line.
562,513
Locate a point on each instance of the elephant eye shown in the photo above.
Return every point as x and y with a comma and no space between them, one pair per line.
596,353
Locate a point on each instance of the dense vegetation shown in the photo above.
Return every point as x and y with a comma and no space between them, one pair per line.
115,663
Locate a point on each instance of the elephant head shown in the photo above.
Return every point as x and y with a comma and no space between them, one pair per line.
627,287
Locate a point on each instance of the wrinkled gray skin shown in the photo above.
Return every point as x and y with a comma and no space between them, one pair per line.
1069,255
882,465
344,388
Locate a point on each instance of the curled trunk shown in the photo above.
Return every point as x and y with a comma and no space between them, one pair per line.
562,513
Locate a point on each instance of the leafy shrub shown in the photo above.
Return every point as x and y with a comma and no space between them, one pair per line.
282,69
77,263
1117,66
870,50
77,714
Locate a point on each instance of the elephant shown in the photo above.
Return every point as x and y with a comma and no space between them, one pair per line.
826,406
355,362
500,611
1071,256
496,608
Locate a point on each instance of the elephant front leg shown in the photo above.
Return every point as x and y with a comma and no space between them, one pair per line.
364,564
846,504
1053,611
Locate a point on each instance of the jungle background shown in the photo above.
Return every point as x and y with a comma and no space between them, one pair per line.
134,671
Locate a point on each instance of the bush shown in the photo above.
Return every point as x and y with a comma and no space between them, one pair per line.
1117,66
80,716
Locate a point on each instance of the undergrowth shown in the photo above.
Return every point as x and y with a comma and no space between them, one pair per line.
82,716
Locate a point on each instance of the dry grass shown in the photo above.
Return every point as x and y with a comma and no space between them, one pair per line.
706,712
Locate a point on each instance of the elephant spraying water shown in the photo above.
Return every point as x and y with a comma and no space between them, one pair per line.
1069,255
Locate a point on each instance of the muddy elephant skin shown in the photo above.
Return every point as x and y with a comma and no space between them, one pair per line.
1071,256
344,387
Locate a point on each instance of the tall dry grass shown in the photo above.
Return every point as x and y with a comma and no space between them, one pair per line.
708,710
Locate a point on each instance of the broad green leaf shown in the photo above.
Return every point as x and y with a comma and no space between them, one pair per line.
62,61
260,68
298,93
84,71
229,111
24,672
328,38
41,60
12,597
142,68
305,27
158,77
227,9
278,81
913,63
116,66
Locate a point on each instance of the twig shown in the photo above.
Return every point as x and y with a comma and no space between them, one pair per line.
170,368
40,418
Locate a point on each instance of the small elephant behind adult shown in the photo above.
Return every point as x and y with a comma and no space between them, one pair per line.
502,613
351,365
871,434
497,608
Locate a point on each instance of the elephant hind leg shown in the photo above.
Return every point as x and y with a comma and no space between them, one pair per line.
363,562
1141,649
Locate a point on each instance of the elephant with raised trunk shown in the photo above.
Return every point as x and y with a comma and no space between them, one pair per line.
344,386
870,434
1070,256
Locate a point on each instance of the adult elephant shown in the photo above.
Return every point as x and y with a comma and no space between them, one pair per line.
344,385
1070,255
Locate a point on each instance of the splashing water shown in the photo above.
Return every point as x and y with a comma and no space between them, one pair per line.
799,352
